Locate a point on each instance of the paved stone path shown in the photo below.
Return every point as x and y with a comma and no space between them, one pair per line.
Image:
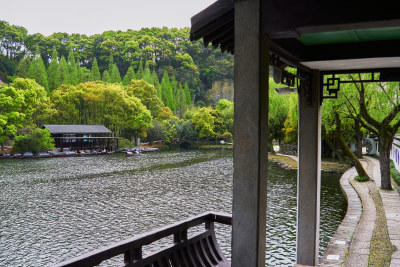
391,204
353,236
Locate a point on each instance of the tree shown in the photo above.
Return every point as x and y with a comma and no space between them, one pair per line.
62,76
37,71
11,117
115,76
95,71
147,95
277,115
36,140
169,131
337,130
23,67
167,93
203,122
376,106
36,106
139,73
106,76
129,76
52,70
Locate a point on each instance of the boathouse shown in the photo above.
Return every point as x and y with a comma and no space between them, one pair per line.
82,137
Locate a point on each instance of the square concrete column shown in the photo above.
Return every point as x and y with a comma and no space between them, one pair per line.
250,139
309,174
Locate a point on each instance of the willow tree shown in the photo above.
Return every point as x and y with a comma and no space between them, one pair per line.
337,131
277,115
376,106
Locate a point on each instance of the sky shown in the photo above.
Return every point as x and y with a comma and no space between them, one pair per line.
96,16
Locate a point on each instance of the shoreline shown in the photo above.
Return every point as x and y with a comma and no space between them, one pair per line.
290,162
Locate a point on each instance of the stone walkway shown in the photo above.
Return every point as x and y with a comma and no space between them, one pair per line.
361,227
391,204
351,243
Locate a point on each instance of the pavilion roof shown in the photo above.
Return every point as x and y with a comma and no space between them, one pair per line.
77,129
323,35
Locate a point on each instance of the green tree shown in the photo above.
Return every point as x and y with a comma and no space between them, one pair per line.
37,71
52,70
167,93
95,71
203,122
23,67
115,76
277,115
106,76
36,106
129,76
36,140
140,71
11,117
376,106
147,95
62,76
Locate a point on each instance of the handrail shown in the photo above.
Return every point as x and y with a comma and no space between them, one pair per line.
132,248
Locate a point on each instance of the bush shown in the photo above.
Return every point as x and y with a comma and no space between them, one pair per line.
125,143
361,179
228,137
35,141
395,173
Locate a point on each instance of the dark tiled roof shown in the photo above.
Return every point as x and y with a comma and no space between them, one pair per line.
215,25
77,129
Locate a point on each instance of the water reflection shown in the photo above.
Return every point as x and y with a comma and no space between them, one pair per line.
55,209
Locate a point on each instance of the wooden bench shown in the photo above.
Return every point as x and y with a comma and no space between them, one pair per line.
199,250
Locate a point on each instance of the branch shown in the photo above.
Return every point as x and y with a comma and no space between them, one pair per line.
384,90
391,115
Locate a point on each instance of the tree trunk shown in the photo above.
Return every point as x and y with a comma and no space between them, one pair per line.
385,143
346,150
271,146
357,128
332,147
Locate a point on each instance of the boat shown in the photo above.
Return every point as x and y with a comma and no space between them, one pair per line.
70,153
132,153
6,156
148,149
28,155
17,156
44,155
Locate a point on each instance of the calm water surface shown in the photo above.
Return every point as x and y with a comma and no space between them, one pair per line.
55,209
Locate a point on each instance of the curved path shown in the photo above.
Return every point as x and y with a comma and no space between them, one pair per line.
353,236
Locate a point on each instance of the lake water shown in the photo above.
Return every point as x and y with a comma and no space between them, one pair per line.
55,209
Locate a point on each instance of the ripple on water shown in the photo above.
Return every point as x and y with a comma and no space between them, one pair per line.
55,209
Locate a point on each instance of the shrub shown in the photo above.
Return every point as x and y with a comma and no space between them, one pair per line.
35,140
395,173
361,178
228,137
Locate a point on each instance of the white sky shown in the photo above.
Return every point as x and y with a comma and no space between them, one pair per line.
96,16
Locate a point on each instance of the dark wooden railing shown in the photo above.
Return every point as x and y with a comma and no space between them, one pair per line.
199,250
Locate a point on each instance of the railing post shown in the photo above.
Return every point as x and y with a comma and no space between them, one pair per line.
133,255
180,236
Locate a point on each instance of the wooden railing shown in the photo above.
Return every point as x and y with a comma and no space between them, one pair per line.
199,250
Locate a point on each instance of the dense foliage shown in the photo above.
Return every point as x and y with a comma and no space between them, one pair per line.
114,56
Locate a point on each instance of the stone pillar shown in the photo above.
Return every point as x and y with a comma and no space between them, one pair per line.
250,138
309,174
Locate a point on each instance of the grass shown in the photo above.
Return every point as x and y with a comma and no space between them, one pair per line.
361,178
